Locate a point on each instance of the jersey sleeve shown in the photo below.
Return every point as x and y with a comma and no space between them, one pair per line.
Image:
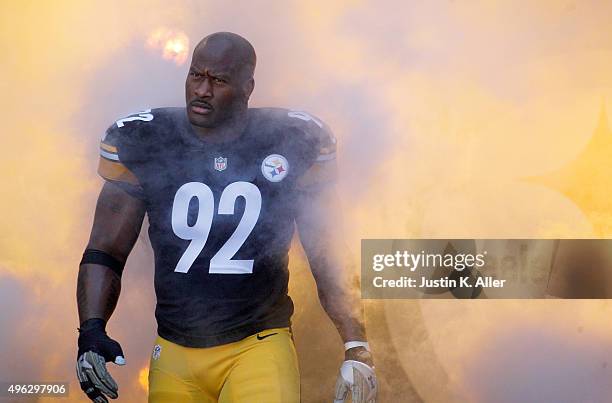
113,162
322,168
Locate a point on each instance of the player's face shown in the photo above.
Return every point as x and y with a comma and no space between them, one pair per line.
214,90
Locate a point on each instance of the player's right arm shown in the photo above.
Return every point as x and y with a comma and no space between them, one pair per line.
117,223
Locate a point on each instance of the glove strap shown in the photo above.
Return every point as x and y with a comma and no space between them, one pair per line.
352,344
93,324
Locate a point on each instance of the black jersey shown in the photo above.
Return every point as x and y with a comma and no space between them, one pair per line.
221,215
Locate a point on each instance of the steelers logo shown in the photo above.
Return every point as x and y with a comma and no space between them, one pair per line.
275,167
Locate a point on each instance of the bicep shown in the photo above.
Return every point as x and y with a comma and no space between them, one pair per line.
117,222
319,224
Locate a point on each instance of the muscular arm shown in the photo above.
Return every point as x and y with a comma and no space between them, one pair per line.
116,226
319,227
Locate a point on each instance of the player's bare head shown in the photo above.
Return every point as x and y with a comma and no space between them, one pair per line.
229,49
220,79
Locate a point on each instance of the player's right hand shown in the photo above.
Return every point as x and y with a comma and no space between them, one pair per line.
95,350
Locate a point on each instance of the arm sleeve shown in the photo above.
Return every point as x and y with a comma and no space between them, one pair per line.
112,163
323,169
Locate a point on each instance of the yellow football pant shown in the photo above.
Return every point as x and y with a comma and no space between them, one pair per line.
261,368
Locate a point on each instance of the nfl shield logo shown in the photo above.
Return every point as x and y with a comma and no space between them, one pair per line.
220,163
156,351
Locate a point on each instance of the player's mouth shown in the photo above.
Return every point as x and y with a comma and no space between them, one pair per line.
201,107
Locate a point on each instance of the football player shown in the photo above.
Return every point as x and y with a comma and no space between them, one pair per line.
223,186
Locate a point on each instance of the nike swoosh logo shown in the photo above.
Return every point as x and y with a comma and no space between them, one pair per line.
263,337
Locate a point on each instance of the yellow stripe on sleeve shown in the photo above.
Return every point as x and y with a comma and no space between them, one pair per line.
108,147
319,173
116,171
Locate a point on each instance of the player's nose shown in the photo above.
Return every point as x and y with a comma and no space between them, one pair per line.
204,89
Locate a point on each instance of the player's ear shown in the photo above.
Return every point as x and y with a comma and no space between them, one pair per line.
249,85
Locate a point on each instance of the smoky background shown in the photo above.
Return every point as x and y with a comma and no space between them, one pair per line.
454,119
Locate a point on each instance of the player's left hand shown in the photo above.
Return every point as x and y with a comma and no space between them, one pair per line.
357,375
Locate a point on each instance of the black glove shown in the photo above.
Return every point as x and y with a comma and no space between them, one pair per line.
95,350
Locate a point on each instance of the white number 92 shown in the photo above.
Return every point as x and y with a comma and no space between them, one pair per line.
221,262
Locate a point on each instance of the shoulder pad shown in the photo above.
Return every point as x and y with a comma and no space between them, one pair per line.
321,149
317,130
126,127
